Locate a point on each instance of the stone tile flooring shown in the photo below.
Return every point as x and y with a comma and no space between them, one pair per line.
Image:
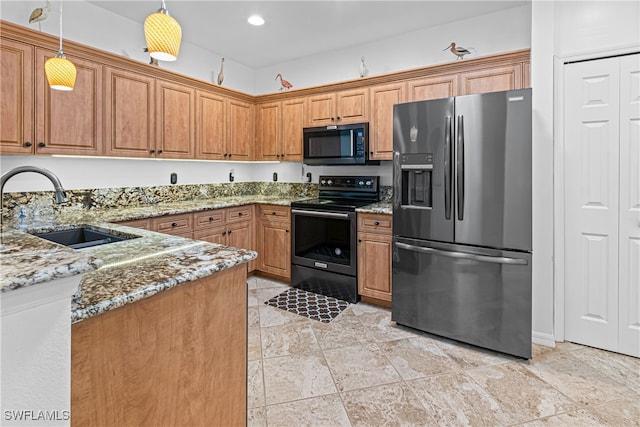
362,370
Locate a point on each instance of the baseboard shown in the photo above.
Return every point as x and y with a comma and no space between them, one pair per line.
546,340
282,279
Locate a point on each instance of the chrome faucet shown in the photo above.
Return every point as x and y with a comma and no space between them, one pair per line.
61,197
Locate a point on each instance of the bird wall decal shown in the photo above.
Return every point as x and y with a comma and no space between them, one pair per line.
364,71
283,83
221,73
458,51
40,14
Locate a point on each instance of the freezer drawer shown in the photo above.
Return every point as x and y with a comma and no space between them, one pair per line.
475,295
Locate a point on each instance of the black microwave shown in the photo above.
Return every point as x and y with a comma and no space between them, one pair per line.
337,145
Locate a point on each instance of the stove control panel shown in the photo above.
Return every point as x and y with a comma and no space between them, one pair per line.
367,184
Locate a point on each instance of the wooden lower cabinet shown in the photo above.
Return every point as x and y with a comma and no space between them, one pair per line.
176,358
274,240
374,258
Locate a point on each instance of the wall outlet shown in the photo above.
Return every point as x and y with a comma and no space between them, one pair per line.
232,175
275,176
173,178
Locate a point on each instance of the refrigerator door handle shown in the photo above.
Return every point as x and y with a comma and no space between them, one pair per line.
460,168
397,180
463,255
447,168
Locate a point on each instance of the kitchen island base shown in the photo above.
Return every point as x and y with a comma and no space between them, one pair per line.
177,358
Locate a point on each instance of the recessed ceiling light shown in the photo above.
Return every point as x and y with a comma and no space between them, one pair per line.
255,20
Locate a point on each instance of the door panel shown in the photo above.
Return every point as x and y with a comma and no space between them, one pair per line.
475,295
421,128
176,116
591,202
210,125
629,327
493,189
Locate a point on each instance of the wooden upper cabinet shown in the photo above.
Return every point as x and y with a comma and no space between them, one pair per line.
433,88
383,98
491,80
241,135
349,106
16,97
69,122
269,130
175,118
129,113
291,133
210,126
526,74
279,130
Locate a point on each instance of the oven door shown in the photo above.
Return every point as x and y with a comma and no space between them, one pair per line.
324,240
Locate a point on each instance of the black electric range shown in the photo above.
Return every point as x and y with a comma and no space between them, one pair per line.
324,236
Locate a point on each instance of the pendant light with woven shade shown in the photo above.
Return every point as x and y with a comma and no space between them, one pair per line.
61,73
163,35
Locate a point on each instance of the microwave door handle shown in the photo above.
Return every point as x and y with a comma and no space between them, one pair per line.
463,255
447,168
352,142
460,168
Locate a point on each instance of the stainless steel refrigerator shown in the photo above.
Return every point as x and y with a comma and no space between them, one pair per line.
462,219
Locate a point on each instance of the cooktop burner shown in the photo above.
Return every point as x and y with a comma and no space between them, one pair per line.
345,193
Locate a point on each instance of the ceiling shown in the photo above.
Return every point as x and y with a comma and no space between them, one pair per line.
295,29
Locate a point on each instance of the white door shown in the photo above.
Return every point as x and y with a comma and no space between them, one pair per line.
629,332
602,203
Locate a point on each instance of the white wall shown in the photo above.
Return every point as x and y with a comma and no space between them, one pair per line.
563,29
497,32
93,26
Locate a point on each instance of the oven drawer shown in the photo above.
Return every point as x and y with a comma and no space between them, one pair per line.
375,223
274,213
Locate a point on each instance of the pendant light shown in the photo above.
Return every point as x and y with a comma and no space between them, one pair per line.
163,35
61,73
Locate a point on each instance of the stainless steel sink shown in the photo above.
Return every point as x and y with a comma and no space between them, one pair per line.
84,237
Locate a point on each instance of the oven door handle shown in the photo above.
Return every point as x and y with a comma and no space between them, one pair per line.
463,255
321,214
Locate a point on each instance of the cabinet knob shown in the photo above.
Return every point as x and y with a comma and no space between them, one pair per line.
159,151
229,232
286,231
338,118
239,213
41,144
152,151
174,224
371,152
210,218
224,233
273,213
359,240
376,223
333,119
229,155
28,144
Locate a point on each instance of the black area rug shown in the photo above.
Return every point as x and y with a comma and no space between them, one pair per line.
314,306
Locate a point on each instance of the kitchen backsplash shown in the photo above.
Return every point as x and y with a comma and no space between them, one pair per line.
42,202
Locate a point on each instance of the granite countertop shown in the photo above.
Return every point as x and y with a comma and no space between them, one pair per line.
377,208
117,273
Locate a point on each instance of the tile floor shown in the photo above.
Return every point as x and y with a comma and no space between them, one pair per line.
362,370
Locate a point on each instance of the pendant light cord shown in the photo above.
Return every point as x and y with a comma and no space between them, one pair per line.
60,49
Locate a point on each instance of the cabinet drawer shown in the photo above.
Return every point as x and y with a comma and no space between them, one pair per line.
274,213
212,235
173,224
208,219
375,223
240,213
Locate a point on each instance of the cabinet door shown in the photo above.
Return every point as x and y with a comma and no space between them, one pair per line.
211,126
352,106
213,235
322,110
433,88
176,120
16,97
129,113
374,265
491,80
291,131
268,131
383,99
275,248
241,135
69,122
